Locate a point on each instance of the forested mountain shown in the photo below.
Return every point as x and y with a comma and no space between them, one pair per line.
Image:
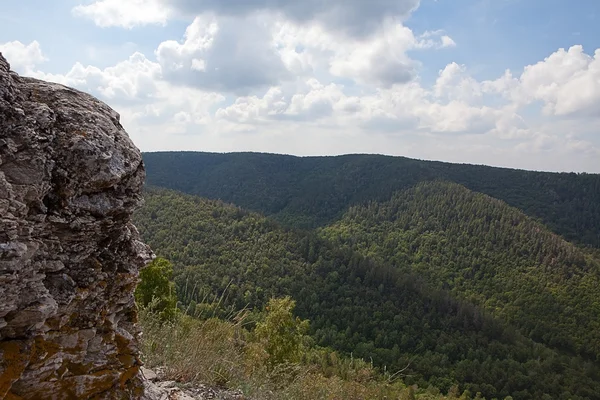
456,285
484,251
307,192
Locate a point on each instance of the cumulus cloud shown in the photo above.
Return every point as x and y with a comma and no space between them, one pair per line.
303,101
351,17
228,54
380,60
455,83
124,13
240,45
356,18
567,82
23,58
132,80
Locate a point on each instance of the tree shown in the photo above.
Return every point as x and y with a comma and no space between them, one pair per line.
156,289
280,332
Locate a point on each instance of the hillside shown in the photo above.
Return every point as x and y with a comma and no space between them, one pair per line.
307,192
437,306
482,250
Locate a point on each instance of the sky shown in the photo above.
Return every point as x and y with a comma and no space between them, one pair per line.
512,83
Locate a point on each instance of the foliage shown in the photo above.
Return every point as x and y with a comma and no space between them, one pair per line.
446,299
156,290
307,192
280,332
488,253
220,353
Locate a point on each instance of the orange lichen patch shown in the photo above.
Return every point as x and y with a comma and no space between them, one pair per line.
78,368
128,375
14,358
43,350
79,132
104,381
127,360
123,344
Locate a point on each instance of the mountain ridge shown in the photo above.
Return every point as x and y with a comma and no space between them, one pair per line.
358,303
308,192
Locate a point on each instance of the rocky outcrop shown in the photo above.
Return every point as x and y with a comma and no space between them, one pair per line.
158,388
70,178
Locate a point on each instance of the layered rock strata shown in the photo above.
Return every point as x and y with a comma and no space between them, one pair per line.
70,179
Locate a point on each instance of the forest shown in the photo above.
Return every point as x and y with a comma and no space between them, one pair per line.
309,192
451,285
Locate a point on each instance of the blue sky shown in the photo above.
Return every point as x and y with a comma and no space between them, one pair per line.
511,83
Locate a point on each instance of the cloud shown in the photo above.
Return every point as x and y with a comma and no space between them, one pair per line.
132,80
239,46
566,82
380,60
356,18
454,83
227,54
307,101
23,58
447,41
124,13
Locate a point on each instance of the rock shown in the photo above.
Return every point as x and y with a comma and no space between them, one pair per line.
149,374
170,390
70,179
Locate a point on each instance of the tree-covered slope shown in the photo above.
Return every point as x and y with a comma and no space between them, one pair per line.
314,191
487,252
366,306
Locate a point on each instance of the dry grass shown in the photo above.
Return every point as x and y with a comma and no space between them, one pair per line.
221,353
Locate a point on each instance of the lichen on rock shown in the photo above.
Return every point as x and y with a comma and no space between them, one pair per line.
70,179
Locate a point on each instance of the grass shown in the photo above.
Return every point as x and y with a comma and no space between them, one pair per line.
225,354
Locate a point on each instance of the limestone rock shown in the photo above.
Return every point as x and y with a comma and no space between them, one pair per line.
157,389
70,179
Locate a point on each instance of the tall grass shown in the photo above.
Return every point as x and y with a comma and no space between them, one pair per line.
222,353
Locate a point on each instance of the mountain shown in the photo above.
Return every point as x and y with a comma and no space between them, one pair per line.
482,250
309,192
453,285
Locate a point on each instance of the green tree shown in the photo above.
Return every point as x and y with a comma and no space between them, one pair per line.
156,288
281,332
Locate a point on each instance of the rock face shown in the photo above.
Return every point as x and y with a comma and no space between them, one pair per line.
70,178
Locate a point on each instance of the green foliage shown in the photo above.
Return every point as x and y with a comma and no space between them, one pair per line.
440,286
307,192
156,290
280,332
488,253
222,353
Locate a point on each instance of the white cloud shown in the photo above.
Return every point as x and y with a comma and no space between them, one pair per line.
447,41
228,54
567,82
124,13
379,60
302,101
455,83
356,18
134,79
23,58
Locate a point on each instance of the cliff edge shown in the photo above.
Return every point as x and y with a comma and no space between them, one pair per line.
70,179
